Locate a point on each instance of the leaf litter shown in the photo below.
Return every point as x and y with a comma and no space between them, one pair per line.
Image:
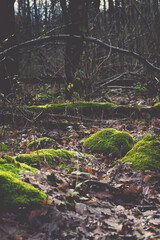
80,204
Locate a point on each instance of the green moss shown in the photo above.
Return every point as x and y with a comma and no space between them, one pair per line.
145,155
108,141
41,143
156,110
15,193
148,137
84,107
3,147
142,123
48,155
157,105
10,165
98,108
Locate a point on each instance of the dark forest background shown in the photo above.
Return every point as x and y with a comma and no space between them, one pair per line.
84,68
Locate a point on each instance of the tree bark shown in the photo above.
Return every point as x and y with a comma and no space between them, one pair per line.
76,20
8,66
36,17
156,28
29,25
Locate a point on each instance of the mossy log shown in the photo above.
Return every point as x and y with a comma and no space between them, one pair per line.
98,109
75,107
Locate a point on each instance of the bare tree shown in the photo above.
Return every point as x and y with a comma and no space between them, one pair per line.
8,65
75,16
36,17
29,30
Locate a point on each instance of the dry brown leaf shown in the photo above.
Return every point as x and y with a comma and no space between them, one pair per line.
34,214
147,178
88,170
47,201
133,192
106,178
93,200
64,185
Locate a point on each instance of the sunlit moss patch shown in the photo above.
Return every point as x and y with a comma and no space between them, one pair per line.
48,155
10,165
145,155
108,141
17,194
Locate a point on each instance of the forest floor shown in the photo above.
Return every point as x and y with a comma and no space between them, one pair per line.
129,209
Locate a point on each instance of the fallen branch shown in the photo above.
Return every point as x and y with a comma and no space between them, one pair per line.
141,207
20,110
65,37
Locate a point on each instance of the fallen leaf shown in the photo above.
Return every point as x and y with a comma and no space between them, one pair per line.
147,178
88,170
64,185
93,200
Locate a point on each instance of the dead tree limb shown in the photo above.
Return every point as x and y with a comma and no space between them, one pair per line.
65,37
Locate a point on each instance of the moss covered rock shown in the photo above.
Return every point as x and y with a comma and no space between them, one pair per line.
145,155
40,143
48,155
10,165
108,141
17,194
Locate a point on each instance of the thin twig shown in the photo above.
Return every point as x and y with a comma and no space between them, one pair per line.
19,109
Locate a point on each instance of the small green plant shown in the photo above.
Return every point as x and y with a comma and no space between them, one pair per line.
124,101
70,128
79,76
142,123
139,89
45,93
69,205
3,147
72,193
62,166
76,96
70,86
4,130
43,35
18,88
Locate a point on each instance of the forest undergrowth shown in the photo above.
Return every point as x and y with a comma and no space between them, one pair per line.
87,198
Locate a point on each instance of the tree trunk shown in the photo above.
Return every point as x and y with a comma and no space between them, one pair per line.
76,20
45,13
36,17
8,66
104,5
156,27
29,25
111,6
